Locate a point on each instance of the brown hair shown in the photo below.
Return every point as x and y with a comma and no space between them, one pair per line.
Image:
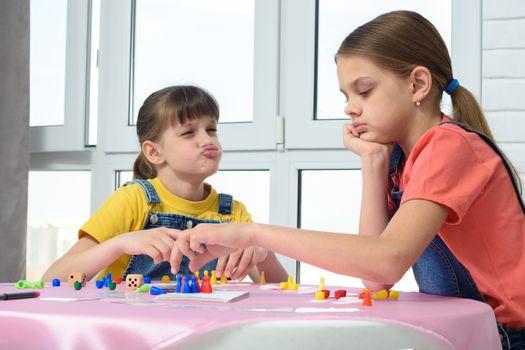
402,40
162,109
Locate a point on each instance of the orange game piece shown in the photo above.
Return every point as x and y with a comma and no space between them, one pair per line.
367,301
262,280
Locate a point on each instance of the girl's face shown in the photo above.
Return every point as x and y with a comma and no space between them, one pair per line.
191,151
379,102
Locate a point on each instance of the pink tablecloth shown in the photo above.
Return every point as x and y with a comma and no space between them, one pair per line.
126,319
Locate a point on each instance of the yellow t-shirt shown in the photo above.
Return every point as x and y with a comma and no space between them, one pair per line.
127,209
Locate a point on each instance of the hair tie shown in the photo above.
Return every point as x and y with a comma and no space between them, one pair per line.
452,86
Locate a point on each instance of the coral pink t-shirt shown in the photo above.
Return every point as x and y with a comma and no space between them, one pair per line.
485,228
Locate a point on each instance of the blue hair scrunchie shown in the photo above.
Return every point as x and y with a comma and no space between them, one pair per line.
452,86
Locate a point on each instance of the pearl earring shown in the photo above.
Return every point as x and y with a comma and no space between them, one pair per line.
418,103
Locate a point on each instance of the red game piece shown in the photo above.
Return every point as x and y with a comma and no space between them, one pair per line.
367,300
340,293
206,285
118,280
326,293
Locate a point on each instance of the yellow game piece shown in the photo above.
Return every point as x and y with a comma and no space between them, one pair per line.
284,285
262,280
294,286
382,294
394,294
224,279
290,280
319,295
165,279
213,279
321,284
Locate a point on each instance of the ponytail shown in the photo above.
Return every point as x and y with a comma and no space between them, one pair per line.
467,111
142,169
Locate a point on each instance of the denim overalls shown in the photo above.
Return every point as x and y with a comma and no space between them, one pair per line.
438,271
143,264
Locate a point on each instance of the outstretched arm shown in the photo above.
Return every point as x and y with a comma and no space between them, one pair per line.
90,257
383,258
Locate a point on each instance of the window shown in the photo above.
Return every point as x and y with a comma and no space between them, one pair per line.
58,204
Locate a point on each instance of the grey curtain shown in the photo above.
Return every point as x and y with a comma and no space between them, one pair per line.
14,136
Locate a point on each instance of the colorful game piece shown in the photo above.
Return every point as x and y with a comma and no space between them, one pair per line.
294,286
28,284
56,282
133,281
393,294
340,293
224,279
197,282
290,280
194,286
165,279
178,287
382,294
147,279
77,276
77,285
262,280
319,295
326,293
99,283
112,285
367,301
107,280
144,288
156,291
361,295
187,287
205,272
118,280
213,279
321,284
206,285
284,285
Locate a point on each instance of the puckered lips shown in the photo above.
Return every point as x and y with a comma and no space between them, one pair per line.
210,151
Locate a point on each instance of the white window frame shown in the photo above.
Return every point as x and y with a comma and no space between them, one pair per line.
298,62
116,73
71,135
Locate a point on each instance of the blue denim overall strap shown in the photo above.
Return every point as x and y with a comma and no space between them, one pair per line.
437,271
143,264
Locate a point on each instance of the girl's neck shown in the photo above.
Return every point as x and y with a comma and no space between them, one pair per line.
194,192
419,128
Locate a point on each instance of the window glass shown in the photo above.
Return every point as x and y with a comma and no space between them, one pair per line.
58,205
330,201
337,18
47,62
201,42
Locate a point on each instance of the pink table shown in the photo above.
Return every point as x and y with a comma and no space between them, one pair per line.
126,319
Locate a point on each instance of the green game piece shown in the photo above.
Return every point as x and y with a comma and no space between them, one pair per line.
144,288
112,285
77,285
28,284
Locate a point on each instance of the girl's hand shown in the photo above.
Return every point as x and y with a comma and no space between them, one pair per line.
156,243
205,242
240,263
362,148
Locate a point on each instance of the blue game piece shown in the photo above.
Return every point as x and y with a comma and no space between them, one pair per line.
187,286
56,282
147,280
156,291
194,288
108,279
99,283
179,284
